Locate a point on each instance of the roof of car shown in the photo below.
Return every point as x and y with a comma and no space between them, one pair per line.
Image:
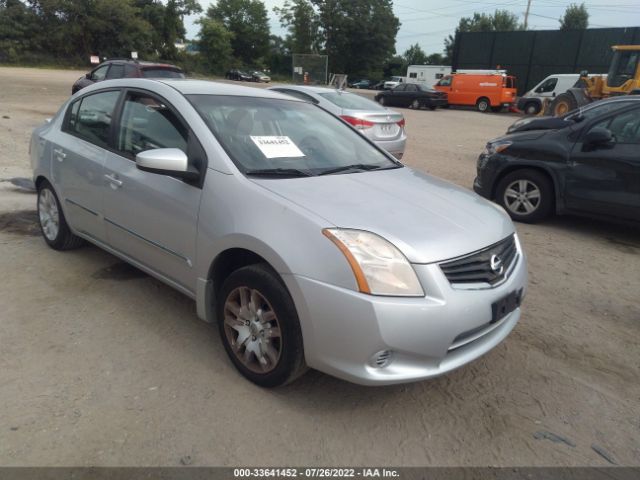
141,63
202,87
307,88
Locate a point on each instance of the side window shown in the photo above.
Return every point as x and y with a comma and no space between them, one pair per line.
445,82
90,117
116,71
400,88
148,123
130,71
547,86
411,88
99,73
625,127
413,75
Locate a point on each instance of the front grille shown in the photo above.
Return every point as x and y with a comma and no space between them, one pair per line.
484,265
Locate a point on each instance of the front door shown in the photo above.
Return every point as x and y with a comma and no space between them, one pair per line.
78,161
152,218
605,179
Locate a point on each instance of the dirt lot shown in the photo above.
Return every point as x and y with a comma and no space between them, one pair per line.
103,365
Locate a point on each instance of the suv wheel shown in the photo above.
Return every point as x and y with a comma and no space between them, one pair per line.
526,195
259,327
53,225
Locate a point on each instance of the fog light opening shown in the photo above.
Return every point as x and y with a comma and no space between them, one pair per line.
381,359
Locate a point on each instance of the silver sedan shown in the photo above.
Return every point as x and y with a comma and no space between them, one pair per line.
308,245
383,126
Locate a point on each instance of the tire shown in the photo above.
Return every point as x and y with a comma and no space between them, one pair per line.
381,100
483,104
238,319
528,181
53,225
563,103
416,105
532,108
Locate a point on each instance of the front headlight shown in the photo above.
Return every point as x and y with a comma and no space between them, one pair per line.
379,267
497,147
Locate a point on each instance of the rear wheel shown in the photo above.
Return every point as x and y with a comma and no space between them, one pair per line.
483,104
532,108
53,225
562,104
259,327
526,195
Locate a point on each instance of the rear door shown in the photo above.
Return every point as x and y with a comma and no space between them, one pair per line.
79,154
152,218
410,94
606,179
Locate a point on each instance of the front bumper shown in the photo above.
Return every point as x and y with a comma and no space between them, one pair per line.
344,329
436,102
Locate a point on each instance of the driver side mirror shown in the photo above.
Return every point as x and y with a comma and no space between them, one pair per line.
166,161
598,136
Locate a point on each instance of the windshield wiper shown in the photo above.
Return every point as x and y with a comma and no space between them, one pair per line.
279,172
355,166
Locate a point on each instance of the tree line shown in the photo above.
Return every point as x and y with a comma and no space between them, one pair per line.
357,35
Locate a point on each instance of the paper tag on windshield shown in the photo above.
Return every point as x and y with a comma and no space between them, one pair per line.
277,147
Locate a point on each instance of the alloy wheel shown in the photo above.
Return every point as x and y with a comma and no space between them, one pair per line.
48,214
252,329
522,197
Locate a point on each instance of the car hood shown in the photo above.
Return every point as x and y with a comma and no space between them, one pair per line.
540,123
428,219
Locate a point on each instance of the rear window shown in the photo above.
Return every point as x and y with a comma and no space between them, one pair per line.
162,73
350,101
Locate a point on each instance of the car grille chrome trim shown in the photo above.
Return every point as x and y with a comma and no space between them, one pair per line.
476,269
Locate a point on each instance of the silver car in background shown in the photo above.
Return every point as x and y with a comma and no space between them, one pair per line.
379,124
306,243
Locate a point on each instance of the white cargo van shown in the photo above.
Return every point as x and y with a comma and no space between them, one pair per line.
532,102
427,75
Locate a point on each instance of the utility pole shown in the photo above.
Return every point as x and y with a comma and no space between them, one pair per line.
526,14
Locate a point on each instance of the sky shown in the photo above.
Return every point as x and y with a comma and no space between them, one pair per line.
428,22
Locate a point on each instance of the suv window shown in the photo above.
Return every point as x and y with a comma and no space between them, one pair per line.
625,126
149,123
161,73
99,73
130,71
116,71
445,82
90,117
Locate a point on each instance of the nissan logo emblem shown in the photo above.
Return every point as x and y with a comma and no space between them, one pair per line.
496,264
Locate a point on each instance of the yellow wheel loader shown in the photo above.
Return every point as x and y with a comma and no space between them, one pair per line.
623,79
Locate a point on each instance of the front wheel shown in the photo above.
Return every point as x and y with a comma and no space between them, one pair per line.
416,104
382,101
259,327
562,104
532,108
526,195
53,225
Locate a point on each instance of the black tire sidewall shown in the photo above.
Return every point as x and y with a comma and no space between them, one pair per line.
267,282
533,105
546,194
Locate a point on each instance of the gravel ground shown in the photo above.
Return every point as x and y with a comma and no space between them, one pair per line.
103,365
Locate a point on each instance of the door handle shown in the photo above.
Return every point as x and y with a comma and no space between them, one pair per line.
60,155
115,183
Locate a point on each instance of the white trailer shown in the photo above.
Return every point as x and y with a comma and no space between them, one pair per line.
427,74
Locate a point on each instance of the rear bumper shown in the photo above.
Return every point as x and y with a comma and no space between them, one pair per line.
394,147
435,102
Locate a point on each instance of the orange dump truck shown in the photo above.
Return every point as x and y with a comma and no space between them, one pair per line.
485,91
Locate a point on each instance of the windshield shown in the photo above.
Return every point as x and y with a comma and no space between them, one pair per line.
161,73
593,110
264,135
351,101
